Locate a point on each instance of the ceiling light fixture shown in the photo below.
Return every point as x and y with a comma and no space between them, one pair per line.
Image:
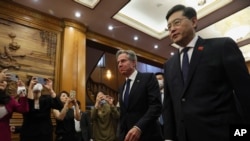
88,3
78,14
110,27
156,46
136,38
201,2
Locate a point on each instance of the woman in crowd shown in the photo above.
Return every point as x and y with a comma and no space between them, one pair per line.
37,124
65,126
8,105
103,116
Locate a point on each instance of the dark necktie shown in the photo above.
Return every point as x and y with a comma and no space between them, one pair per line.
161,118
185,63
126,94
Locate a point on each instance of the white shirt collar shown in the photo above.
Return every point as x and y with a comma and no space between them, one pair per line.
133,75
191,43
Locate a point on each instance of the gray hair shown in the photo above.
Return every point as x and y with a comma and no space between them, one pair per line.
131,54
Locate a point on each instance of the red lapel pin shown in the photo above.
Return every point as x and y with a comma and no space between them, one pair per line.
200,48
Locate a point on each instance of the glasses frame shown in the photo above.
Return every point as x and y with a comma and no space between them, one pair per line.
175,23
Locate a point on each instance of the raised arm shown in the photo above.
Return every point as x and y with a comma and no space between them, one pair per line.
60,115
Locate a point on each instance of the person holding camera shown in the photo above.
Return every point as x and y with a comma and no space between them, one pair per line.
103,116
37,124
65,116
8,105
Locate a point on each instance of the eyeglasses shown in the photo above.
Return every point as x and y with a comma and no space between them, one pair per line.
175,23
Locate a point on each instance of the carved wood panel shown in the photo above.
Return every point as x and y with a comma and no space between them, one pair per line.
27,51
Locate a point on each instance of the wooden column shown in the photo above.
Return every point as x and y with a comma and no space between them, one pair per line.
73,60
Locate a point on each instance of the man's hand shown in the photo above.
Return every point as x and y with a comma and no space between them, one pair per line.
133,134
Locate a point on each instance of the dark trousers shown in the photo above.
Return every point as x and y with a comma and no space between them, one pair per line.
37,138
78,136
68,137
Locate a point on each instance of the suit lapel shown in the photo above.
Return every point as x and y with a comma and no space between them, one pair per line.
177,66
177,75
133,89
135,85
121,95
197,53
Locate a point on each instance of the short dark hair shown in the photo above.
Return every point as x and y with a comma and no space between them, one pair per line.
188,12
159,73
59,95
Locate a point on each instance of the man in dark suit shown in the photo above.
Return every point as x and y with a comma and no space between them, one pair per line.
211,93
160,78
83,127
140,108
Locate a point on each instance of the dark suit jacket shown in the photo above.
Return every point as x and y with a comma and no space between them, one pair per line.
85,127
143,109
204,108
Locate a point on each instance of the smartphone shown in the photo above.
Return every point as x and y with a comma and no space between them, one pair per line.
40,80
13,77
72,94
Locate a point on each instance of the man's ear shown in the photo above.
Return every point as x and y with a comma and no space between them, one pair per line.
134,64
195,22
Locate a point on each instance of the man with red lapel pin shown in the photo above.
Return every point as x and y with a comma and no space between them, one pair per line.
207,84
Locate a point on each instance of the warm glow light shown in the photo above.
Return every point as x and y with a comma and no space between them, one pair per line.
108,74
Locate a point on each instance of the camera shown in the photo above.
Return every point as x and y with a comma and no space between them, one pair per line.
103,101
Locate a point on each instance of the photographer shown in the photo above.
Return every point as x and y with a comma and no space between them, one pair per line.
8,105
37,124
65,126
103,116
